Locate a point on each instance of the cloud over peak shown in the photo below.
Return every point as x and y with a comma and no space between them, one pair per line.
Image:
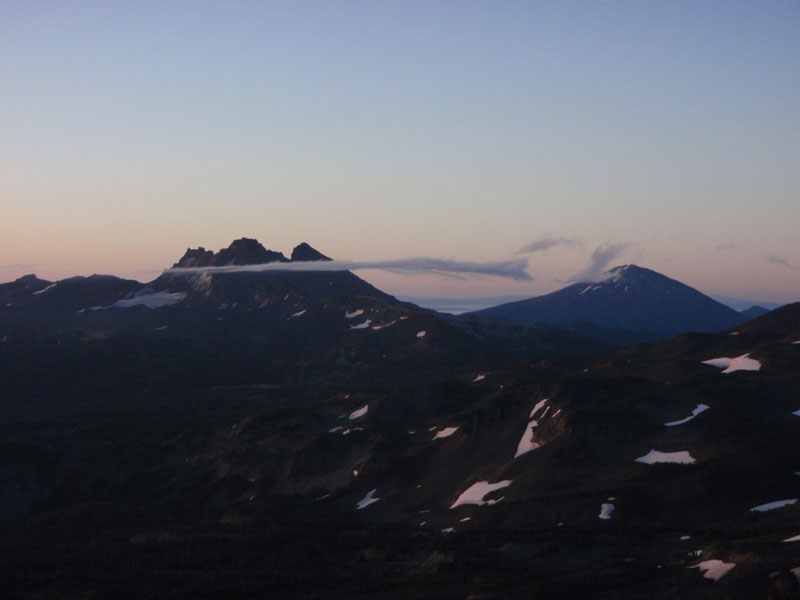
509,269
600,259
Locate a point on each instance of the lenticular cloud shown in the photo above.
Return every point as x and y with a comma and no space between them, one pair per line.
510,269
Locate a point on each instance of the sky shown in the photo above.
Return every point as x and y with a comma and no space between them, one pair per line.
665,134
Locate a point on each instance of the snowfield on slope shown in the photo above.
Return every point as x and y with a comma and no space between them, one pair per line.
731,365
475,493
151,299
714,569
526,444
654,456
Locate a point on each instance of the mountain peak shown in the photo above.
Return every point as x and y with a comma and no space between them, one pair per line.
630,272
304,252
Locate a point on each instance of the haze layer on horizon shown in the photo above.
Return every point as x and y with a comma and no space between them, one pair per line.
383,131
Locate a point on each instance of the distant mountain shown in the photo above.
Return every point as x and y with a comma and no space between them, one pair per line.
627,299
754,311
741,304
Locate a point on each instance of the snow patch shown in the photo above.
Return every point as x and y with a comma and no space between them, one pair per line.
714,569
363,325
539,405
448,530
685,537
478,378
731,365
654,456
773,505
367,500
162,328
358,413
446,432
700,408
298,314
42,291
795,538
526,443
797,413
150,300
605,511
421,334
201,283
350,430
354,314
384,326
475,493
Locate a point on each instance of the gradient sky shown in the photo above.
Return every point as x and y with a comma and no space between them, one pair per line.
376,130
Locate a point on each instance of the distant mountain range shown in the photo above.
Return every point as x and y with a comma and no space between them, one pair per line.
627,302
304,435
246,327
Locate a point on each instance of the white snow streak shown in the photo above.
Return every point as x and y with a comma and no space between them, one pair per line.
357,414
700,408
367,500
539,405
42,291
773,505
